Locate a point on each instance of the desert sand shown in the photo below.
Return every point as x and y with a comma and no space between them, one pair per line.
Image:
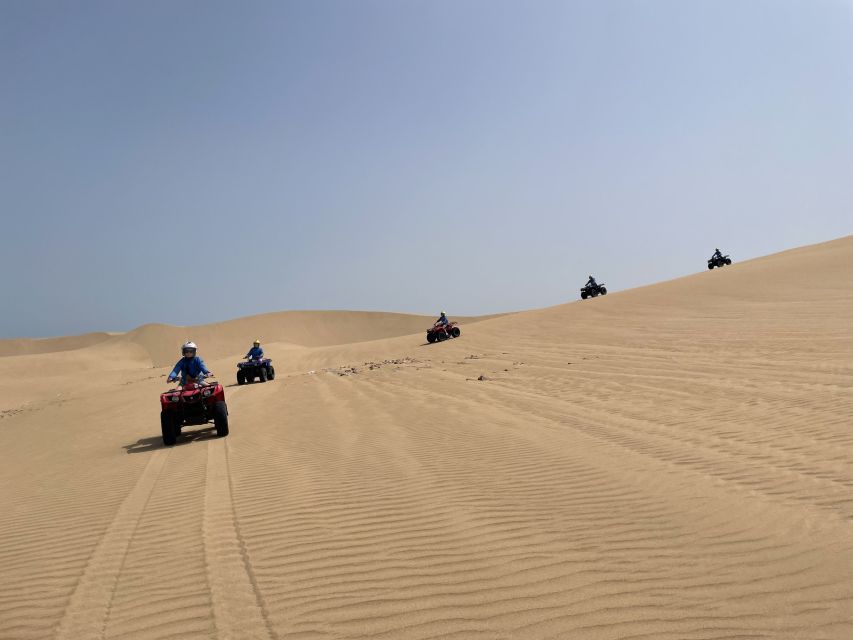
669,462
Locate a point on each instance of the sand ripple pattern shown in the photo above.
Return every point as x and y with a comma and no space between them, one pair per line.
237,610
669,463
87,611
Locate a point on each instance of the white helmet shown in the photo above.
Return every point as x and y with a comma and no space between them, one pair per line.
189,346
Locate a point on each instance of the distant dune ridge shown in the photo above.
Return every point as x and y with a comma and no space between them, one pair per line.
669,462
299,328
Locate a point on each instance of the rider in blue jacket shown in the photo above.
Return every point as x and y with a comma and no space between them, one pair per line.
255,353
442,320
190,366
591,282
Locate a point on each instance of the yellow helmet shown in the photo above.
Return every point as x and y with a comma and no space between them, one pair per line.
257,343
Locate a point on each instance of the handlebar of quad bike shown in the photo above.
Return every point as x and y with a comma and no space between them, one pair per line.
180,386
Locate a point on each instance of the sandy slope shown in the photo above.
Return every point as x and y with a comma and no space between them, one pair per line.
669,462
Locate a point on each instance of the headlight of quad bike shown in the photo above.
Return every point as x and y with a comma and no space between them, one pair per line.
207,393
174,398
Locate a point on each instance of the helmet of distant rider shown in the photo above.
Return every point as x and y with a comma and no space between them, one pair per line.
257,343
188,349
442,314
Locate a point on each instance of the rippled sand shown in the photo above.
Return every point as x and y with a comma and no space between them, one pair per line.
671,462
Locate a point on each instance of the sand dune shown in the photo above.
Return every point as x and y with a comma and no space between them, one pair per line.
27,346
670,462
161,342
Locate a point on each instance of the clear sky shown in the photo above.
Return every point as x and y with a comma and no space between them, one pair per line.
189,162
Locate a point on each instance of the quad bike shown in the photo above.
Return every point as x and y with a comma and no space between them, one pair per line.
260,368
193,403
590,291
718,261
441,332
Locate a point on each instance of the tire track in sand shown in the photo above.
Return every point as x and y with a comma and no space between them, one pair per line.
88,607
238,609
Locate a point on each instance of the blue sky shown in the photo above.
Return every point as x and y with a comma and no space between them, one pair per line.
189,162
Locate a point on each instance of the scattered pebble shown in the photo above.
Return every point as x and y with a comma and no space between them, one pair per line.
347,370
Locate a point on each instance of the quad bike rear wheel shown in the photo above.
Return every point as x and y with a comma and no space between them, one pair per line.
169,428
220,418
430,337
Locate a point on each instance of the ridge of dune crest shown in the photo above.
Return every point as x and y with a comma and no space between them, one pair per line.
32,346
230,337
671,462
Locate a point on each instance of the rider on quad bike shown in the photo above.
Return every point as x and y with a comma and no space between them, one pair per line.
196,402
255,353
442,329
256,366
592,289
718,260
190,365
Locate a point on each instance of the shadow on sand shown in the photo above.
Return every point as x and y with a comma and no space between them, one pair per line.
144,445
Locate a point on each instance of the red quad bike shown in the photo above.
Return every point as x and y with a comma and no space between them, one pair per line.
193,404
440,333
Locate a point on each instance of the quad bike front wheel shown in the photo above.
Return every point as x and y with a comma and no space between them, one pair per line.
728,260
241,377
169,428
455,332
603,291
583,295
220,418
262,374
271,373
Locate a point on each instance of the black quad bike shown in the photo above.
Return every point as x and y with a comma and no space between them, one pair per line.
591,291
255,368
718,261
